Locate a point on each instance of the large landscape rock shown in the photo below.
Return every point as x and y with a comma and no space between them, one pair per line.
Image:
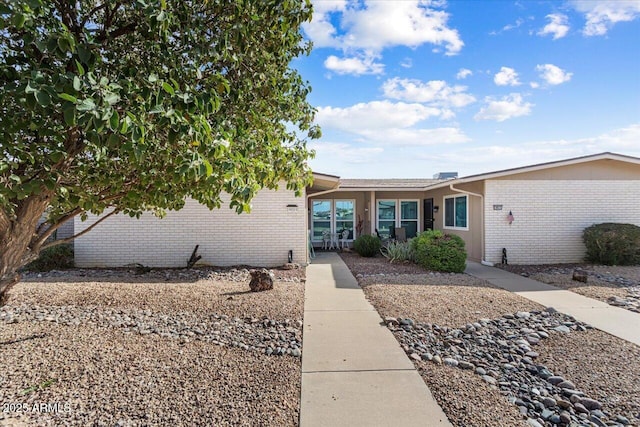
261,280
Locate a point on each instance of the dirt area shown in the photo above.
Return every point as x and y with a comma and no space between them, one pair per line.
605,367
100,373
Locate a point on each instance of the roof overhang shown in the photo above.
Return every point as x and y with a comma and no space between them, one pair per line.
323,182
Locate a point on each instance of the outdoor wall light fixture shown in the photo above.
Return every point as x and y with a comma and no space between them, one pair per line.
510,217
436,209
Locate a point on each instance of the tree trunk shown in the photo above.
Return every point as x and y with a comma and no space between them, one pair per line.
19,243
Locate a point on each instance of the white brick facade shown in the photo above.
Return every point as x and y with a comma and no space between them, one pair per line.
261,238
550,216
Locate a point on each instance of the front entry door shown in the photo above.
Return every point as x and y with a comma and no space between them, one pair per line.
428,214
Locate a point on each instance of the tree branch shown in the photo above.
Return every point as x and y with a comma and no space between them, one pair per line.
120,31
83,232
91,13
49,231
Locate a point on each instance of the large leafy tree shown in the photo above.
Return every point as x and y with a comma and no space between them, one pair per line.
111,106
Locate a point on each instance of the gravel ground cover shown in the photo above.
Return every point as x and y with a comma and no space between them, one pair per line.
616,285
118,348
492,359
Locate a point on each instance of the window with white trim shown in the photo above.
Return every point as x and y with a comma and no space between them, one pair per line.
409,217
397,213
456,212
321,214
334,216
345,217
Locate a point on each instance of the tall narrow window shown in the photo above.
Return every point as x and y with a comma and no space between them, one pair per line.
409,217
456,212
321,218
345,216
386,217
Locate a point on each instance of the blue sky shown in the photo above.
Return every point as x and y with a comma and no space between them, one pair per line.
406,89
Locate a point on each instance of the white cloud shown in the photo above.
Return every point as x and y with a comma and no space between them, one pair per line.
506,77
557,26
507,107
374,115
354,65
553,75
389,123
513,26
320,29
345,152
602,15
434,92
376,25
534,85
623,141
463,73
417,137
406,63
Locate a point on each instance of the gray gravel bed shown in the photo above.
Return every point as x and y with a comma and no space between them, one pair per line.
503,353
268,336
103,377
293,273
616,285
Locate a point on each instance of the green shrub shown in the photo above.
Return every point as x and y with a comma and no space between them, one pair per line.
398,251
437,251
367,245
612,244
53,258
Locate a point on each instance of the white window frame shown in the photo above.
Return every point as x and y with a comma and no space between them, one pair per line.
398,219
417,220
316,239
444,212
333,218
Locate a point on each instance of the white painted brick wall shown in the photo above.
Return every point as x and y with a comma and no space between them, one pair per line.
550,216
261,238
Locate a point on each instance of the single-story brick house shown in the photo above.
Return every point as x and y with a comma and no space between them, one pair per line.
537,213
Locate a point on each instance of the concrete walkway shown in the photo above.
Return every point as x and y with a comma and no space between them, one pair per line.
354,372
616,321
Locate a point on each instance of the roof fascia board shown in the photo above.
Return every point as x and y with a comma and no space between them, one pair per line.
534,168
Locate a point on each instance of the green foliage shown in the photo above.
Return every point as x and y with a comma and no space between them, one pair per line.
367,245
56,257
138,105
437,251
398,251
612,244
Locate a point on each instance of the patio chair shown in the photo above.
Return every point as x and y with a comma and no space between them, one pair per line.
400,234
343,239
326,239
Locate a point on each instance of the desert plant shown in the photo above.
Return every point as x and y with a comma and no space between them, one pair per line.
612,244
367,245
53,258
437,251
398,251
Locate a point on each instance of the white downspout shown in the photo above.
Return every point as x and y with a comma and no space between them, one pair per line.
482,260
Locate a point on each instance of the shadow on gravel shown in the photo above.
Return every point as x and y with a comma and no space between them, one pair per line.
29,338
155,275
226,294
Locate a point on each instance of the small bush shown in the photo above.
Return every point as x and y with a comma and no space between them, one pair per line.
398,251
53,258
437,251
612,244
367,245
